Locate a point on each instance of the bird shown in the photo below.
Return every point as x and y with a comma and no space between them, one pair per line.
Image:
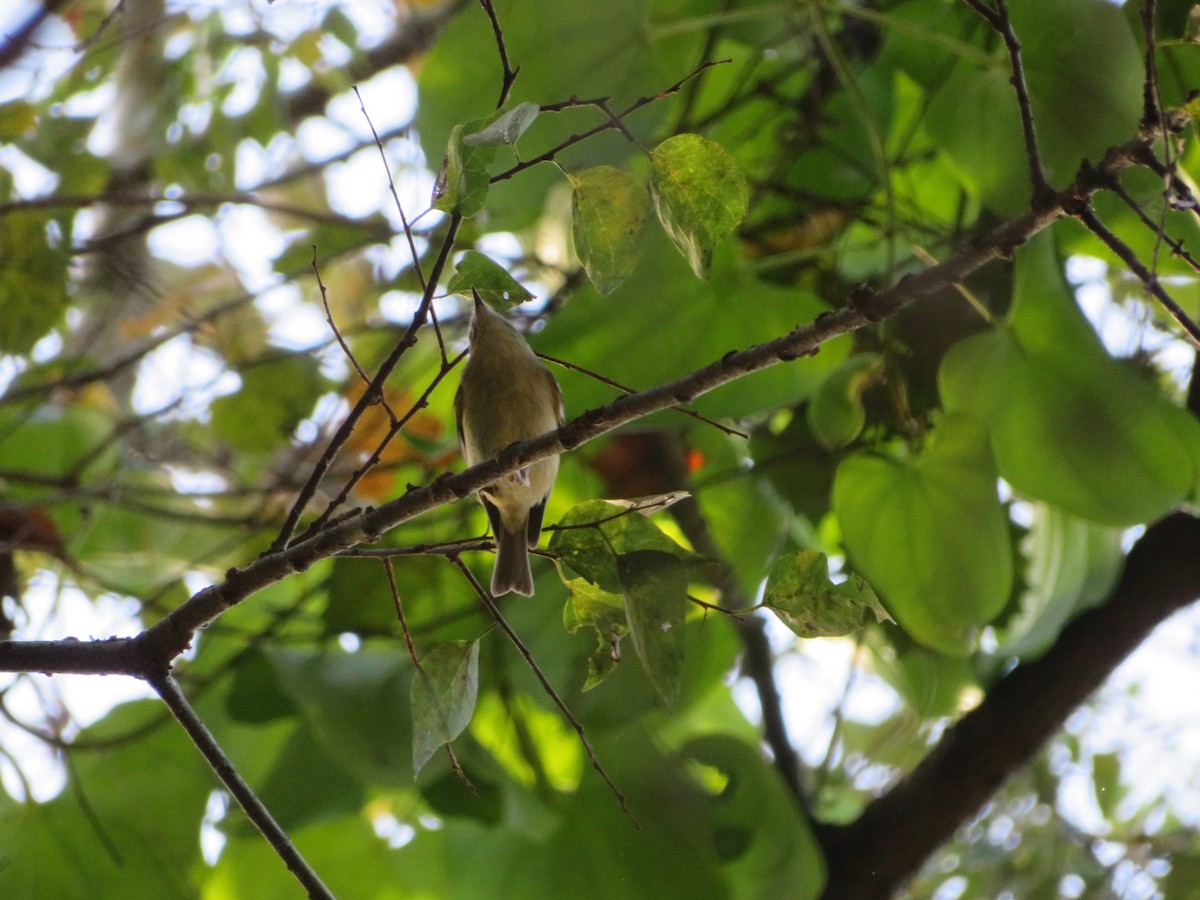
506,395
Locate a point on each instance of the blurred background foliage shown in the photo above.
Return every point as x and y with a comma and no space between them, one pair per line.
169,172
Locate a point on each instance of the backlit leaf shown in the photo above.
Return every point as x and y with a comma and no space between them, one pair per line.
608,209
700,195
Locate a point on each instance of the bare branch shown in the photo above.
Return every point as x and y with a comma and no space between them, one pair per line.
173,697
510,74
1000,21
1135,265
732,432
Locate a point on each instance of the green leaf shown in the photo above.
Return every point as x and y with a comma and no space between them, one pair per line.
306,785
54,442
655,587
126,826
463,182
506,129
659,341
591,607
930,534
255,696
1106,780
357,706
273,399
700,195
1071,564
765,846
1104,442
443,697
591,535
608,209
17,118
33,280
836,414
479,272
800,593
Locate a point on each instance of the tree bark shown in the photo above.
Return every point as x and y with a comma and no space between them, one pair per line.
885,846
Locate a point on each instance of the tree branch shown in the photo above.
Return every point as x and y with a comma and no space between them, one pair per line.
895,834
167,638
173,697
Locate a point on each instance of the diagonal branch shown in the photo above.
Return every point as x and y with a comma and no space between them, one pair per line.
171,635
871,857
173,697
1000,21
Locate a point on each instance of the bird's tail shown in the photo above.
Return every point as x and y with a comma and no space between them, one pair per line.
512,573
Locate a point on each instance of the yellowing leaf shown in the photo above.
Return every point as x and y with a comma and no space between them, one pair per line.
33,281
700,195
800,593
608,209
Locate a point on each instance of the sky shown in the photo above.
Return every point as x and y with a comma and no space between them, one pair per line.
1141,713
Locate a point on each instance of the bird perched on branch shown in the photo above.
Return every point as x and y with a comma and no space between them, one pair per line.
506,395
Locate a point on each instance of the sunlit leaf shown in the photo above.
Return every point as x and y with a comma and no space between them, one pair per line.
506,129
462,182
592,607
800,593
591,536
930,534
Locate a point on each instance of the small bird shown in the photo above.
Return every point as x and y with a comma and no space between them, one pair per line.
507,395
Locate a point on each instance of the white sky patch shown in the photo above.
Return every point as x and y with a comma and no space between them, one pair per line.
54,611
179,370
30,178
293,324
250,242
191,241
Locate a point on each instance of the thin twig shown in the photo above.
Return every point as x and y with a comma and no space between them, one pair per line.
733,432
397,425
1177,248
408,233
1000,21
490,604
1153,116
371,395
338,335
168,689
391,577
510,74
604,126
1135,265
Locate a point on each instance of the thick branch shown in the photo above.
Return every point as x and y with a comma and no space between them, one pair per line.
896,833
